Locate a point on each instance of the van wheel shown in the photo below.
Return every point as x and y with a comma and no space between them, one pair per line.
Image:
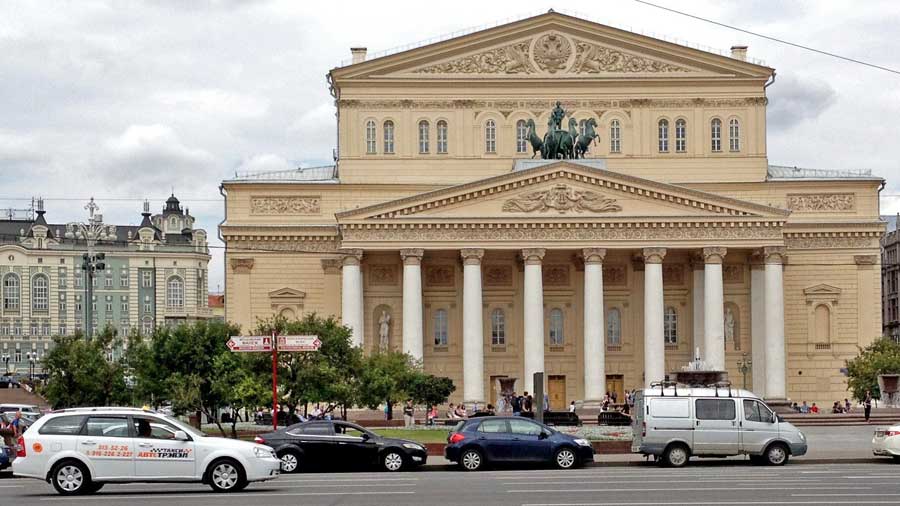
471,460
676,455
226,475
776,454
71,477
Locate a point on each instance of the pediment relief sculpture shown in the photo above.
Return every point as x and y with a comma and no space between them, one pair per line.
563,199
511,59
594,59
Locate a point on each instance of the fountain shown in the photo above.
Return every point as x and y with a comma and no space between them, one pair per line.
697,373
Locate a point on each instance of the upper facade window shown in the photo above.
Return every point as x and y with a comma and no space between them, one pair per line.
680,136
490,137
521,136
175,293
613,327
11,292
498,328
442,137
615,137
670,326
423,137
734,135
440,327
388,137
557,338
715,131
40,293
663,128
370,137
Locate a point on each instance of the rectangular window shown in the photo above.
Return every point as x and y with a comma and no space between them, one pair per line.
62,329
109,282
146,279
125,306
79,280
35,328
123,281
109,307
78,307
45,329
715,409
148,308
106,426
61,277
18,355
669,408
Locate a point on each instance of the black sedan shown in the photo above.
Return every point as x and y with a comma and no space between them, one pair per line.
340,445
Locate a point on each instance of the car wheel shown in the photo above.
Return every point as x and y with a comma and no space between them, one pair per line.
565,458
71,477
226,475
896,458
290,461
392,461
776,455
471,460
676,455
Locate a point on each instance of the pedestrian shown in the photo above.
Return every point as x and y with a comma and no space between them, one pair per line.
461,412
804,408
16,424
387,411
814,409
847,405
516,404
867,405
572,407
615,397
491,410
546,402
432,415
409,420
529,403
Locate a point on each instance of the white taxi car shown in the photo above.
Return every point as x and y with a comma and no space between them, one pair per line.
886,442
79,450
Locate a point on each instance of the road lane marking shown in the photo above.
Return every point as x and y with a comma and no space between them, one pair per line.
843,495
668,489
204,495
697,503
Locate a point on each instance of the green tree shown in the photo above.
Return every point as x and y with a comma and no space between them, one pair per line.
880,357
238,384
430,390
79,373
386,377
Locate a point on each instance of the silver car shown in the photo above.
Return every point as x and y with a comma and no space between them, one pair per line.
675,423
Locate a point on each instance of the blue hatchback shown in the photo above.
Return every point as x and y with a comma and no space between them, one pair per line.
475,443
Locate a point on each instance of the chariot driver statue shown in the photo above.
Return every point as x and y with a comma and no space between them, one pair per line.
559,142
556,116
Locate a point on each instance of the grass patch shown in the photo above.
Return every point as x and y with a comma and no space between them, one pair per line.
418,435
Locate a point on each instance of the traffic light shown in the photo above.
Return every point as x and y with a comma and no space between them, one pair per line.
99,264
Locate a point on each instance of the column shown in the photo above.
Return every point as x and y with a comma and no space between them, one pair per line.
697,266
238,303
412,302
758,323
774,303
654,344
714,308
473,327
352,294
594,328
331,298
534,315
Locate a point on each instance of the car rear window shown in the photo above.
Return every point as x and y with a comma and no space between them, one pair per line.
715,409
493,426
316,429
63,425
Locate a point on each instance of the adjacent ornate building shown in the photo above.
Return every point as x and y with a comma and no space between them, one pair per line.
156,274
438,234
890,280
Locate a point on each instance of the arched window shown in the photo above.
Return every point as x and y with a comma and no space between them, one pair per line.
442,137
423,137
557,338
521,136
175,293
715,132
734,135
823,324
490,136
613,327
11,292
388,137
440,327
680,136
663,136
370,137
670,326
40,293
498,328
615,137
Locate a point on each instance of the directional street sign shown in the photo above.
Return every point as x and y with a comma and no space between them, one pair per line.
250,343
299,343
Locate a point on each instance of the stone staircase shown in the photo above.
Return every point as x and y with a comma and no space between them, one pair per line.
882,416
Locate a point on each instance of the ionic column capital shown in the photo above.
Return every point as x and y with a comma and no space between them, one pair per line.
471,256
757,259
412,256
774,254
714,254
654,255
241,265
331,265
351,256
593,255
533,256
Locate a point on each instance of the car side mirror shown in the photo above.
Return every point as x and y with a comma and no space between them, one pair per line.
543,435
181,435
366,436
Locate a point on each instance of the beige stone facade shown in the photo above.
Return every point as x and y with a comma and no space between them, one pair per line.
672,234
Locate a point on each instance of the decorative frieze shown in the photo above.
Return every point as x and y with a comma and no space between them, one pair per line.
555,274
831,241
673,274
595,59
383,274
615,275
561,198
497,275
510,59
552,52
537,107
293,244
287,205
821,202
733,273
439,276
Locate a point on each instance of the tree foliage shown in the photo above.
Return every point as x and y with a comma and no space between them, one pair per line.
430,390
880,357
80,375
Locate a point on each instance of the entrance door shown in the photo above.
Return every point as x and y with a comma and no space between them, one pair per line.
556,388
616,383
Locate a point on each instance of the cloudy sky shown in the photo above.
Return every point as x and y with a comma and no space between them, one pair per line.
128,100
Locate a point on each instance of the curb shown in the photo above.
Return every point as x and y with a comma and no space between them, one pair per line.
649,463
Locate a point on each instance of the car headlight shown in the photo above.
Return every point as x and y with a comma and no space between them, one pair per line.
413,446
262,453
802,436
582,442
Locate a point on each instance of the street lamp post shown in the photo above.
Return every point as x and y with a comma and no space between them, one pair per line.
745,365
92,262
32,357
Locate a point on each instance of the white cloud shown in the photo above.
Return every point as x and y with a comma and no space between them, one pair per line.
267,162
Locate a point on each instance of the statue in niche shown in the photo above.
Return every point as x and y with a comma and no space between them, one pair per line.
729,325
384,331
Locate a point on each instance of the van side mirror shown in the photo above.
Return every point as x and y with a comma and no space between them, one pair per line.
181,435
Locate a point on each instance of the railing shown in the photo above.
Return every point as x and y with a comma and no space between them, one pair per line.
784,172
322,173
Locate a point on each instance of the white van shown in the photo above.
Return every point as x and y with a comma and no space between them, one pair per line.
674,423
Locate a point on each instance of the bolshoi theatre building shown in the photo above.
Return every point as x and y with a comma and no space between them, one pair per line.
558,195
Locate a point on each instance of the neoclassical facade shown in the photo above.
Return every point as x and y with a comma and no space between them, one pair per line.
438,233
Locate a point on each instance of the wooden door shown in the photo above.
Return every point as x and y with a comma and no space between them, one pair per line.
616,383
556,388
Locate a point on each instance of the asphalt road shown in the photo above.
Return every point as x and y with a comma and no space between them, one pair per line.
702,483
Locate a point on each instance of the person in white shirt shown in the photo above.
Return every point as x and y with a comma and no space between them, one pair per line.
572,407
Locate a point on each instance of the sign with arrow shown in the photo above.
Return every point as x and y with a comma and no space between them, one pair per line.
299,343
250,343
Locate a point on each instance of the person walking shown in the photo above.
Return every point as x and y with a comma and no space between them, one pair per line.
529,403
867,405
516,404
409,420
572,407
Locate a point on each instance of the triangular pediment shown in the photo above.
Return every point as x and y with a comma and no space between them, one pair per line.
564,190
822,289
287,293
551,45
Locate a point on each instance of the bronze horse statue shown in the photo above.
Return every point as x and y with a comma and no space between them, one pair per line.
536,143
584,141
